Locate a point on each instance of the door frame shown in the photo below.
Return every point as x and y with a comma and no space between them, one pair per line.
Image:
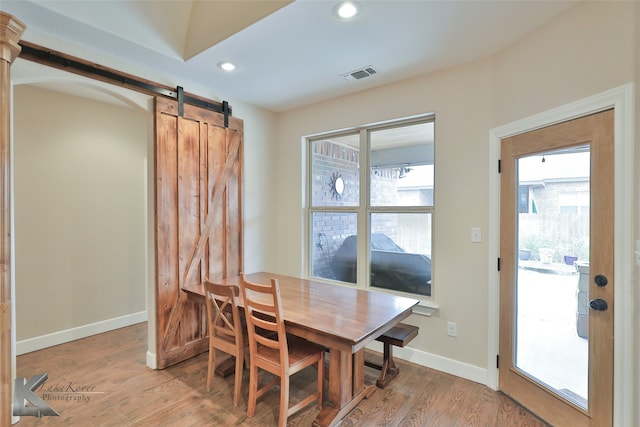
621,99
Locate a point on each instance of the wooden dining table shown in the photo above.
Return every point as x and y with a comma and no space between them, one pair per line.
341,318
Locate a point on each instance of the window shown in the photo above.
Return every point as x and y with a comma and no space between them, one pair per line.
371,206
575,202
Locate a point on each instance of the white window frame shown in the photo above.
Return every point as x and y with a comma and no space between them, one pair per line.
364,211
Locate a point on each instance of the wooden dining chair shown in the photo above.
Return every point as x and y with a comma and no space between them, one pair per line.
226,330
276,353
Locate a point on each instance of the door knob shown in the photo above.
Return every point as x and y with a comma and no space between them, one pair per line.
601,280
599,304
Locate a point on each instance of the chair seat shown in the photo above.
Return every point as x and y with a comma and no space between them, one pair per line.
299,350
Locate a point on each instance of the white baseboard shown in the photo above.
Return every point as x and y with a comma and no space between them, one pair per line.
55,338
439,363
152,360
450,366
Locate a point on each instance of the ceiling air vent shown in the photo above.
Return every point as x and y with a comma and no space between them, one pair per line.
360,74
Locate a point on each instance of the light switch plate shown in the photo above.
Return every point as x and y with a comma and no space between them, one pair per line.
452,329
476,235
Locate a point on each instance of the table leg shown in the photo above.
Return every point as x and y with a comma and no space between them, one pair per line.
346,387
358,372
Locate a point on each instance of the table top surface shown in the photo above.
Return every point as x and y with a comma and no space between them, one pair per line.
356,316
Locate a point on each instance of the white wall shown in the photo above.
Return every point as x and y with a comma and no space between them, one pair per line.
79,203
590,49
260,165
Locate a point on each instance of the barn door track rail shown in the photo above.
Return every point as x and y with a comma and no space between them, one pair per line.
42,55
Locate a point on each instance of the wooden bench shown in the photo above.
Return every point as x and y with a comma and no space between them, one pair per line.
399,336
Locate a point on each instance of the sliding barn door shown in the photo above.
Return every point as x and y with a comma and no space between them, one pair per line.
198,168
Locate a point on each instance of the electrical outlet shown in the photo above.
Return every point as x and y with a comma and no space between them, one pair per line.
452,329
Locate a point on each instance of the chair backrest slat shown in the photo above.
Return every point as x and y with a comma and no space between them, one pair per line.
263,311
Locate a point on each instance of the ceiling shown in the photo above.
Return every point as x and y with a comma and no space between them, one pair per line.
288,54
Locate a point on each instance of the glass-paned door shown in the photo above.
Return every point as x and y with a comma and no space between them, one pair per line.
556,271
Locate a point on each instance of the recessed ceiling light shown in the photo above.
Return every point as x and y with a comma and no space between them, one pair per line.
226,66
347,9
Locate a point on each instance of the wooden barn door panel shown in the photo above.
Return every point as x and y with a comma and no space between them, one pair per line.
234,212
198,219
216,160
167,271
189,221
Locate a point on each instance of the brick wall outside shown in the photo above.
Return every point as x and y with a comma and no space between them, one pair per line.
330,160
330,229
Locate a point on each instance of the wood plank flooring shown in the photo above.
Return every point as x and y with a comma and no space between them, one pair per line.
119,390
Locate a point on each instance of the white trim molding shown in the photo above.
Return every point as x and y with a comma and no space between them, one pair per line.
152,360
621,100
425,308
61,337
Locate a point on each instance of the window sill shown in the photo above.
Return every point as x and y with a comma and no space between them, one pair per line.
425,308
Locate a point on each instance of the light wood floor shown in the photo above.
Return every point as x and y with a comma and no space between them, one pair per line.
127,393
